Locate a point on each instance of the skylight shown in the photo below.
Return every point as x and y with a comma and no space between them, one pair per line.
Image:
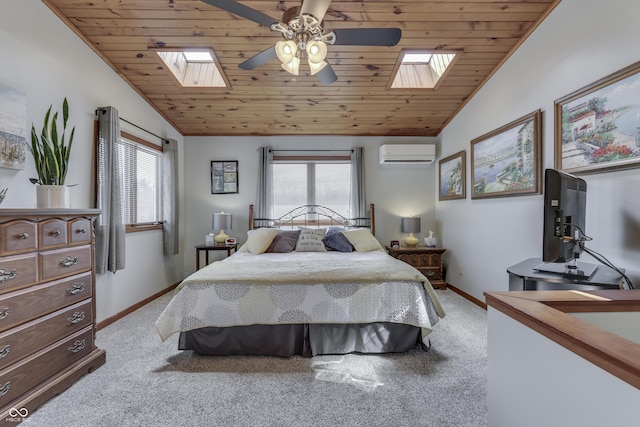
193,67
421,69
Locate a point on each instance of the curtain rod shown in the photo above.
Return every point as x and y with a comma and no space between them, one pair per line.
332,151
166,141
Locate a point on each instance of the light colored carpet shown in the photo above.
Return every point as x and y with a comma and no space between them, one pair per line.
149,383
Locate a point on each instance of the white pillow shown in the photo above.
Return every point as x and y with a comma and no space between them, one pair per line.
310,240
362,240
259,240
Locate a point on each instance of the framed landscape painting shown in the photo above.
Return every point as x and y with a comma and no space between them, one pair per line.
224,177
506,161
597,128
13,128
452,171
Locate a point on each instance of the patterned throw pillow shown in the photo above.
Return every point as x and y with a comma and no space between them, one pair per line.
310,240
336,241
285,241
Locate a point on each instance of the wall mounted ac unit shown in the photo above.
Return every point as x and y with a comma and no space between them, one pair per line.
408,154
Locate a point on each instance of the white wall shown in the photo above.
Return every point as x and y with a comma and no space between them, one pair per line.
397,191
579,43
46,61
535,382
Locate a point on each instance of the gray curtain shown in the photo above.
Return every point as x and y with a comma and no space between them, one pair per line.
358,202
263,206
109,227
170,196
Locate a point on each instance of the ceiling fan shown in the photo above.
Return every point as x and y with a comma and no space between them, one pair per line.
304,36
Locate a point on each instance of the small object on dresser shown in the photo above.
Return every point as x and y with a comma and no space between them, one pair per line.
430,241
208,239
395,244
230,241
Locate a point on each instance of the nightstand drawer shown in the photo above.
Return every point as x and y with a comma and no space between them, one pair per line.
432,273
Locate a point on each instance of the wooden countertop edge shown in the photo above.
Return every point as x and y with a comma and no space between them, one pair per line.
546,313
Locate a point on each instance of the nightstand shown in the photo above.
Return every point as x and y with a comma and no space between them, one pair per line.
427,260
214,247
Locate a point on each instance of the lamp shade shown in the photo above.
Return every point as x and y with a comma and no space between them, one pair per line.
222,221
411,225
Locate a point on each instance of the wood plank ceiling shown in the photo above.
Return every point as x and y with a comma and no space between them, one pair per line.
270,101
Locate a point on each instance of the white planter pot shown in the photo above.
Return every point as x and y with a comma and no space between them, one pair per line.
52,196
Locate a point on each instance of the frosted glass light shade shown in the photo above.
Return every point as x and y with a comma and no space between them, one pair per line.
286,51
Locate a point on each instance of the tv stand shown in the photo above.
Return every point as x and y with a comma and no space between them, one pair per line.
524,276
570,270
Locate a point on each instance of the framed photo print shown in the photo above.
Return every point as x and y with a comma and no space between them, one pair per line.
224,177
452,173
597,128
506,161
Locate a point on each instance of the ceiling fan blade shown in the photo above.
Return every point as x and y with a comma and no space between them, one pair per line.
327,75
368,36
259,59
243,11
317,8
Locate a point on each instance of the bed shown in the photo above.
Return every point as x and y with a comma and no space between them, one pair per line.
308,283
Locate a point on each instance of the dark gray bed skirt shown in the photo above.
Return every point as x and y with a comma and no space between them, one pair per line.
302,339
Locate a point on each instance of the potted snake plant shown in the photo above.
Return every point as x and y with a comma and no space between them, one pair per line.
51,155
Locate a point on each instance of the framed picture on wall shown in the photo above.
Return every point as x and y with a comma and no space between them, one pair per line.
13,128
224,176
597,128
506,161
452,173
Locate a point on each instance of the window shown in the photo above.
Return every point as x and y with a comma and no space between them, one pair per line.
141,172
421,69
311,180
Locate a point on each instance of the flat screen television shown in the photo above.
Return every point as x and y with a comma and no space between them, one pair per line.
565,203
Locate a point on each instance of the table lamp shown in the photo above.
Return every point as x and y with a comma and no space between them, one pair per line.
221,221
411,225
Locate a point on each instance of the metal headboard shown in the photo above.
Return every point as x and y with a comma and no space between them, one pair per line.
313,216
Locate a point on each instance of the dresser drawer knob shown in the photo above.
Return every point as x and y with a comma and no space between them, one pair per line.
55,233
68,261
6,275
23,236
77,346
431,273
4,313
77,317
75,289
5,388
5,351
82,231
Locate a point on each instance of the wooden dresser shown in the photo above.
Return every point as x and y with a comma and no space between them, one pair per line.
427,260
47,306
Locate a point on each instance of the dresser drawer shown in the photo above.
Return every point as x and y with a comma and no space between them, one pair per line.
80,231
18,271
23,376
53,233
27,304
18,236
64,262
24,340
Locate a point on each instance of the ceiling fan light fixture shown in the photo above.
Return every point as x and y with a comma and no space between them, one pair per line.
292,66
286,51
316,51
315,67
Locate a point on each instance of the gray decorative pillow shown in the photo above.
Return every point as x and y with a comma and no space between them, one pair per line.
310,240
335,240
285,241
